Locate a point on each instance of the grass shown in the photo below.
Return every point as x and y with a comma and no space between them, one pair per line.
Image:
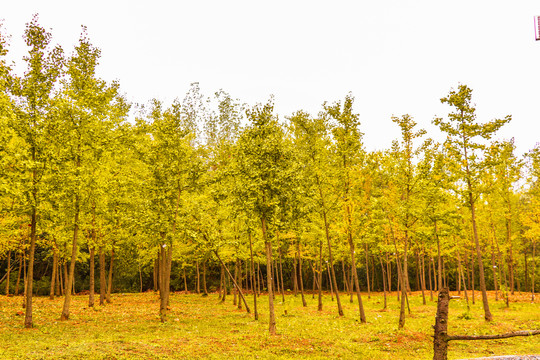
201,327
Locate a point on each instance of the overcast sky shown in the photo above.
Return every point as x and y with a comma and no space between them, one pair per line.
396,57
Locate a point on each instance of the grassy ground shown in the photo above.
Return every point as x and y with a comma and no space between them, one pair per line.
200,327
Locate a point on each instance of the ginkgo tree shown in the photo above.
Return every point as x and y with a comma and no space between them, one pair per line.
33,94
264,168
463,129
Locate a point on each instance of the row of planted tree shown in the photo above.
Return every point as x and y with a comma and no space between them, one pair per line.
209,184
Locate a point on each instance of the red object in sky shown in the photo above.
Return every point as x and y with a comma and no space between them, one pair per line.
537,27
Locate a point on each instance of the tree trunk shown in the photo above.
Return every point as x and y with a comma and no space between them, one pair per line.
331,265
275,273
345,278
319,276
440,342
367,271
29,283
268,243
205,291
69,282
54,270
494,272
472,277
234,282
294,278
330,281
185,279
258,279
110,285
58,277
253,286
423,278
281,275
155,273
8,272
21,260
355,277
460,269
239,281
199,279
102,283
300,275
533,268
487,312
92,276
510,248
430,280
164,276
384,282
439,260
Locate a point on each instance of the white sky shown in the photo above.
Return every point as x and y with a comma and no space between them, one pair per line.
395,56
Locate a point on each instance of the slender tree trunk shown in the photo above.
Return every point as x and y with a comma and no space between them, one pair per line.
58,277
164,254
253,286
155,275
439,261
355,276
102,283
300,274
472,277
199,280
525,252
460,269
29,283
92,277
294,278
314,280
330,281
423,278
389,272
331,265
445,280
205,290
221,285
236,280
403,287
110,285
242,298
258,279
140,278
25,284
53,275
320,304
275,274
384,282
533,269
487,312
69,282
367,271
239,281
494,271
8,272
268,243
510,248
92,253
345,278
281,275
430,280
21,260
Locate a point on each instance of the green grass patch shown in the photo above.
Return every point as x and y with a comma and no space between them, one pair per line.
201,327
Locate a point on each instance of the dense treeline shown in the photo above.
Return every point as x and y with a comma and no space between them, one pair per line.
209,194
